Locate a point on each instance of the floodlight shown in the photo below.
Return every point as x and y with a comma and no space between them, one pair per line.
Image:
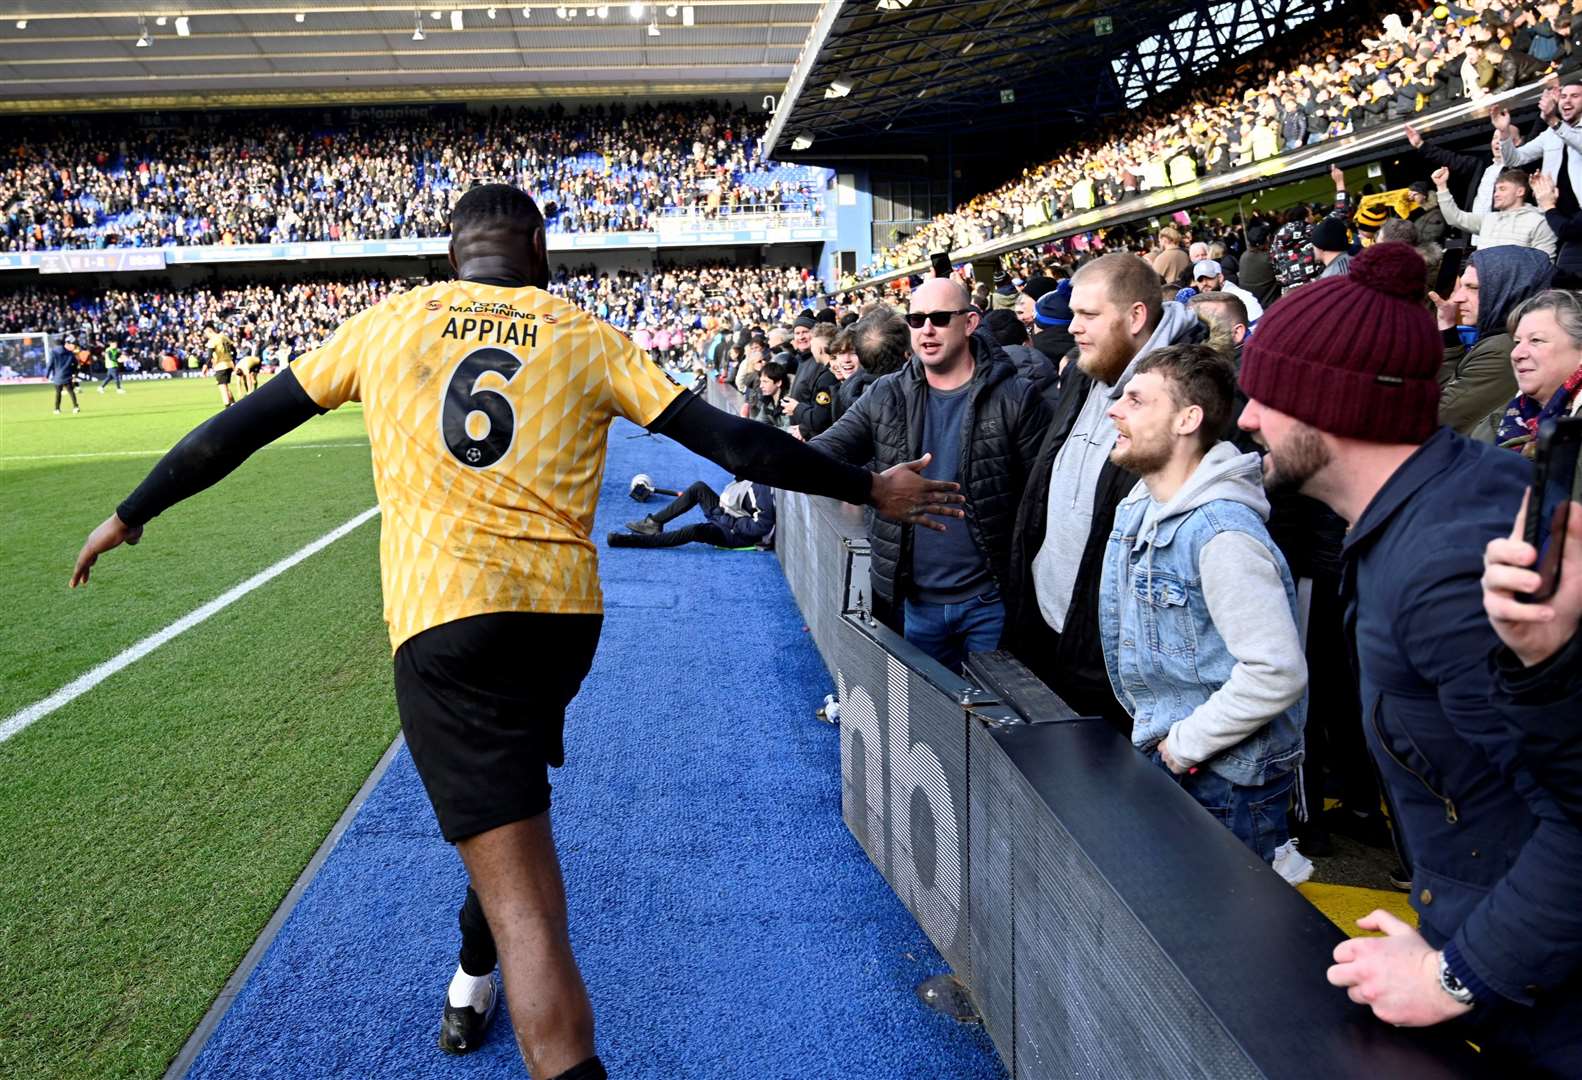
160,21
636,11
183,27
802,142
491,13
838,89
455,19
302,16
687,15
653,29
603,12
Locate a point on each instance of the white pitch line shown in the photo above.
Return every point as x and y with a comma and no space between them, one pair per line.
161,453
83,683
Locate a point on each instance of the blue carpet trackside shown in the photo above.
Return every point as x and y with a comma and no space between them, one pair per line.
726,921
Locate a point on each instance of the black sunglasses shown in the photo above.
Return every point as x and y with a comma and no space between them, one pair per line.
941,319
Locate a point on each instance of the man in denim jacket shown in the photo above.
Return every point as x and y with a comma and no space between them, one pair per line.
1341,388
1197,610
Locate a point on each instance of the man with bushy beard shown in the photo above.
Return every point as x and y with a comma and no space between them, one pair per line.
1068,507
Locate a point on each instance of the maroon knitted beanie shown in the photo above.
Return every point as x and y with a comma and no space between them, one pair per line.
1355,355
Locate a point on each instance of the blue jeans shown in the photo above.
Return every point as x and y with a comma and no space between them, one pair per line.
1256,815
948,632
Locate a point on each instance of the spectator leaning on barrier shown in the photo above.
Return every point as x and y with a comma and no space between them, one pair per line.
1476,381
1340,378
1208,276
1197,607
960,401
1069,506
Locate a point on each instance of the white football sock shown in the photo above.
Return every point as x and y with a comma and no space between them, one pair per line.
469,991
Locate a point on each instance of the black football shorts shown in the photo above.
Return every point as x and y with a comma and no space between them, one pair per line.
483,707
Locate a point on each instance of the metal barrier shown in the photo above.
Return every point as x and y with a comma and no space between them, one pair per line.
1102,924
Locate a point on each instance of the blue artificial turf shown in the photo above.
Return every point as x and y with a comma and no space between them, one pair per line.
726,922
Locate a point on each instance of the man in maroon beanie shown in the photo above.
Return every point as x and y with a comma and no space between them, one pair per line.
1341,382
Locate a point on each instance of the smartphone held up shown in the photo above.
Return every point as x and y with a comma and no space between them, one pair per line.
1555,487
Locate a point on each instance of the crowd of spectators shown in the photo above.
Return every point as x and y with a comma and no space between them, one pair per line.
675,312
285,177
1304,90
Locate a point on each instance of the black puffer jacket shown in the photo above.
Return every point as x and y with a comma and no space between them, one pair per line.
1006,419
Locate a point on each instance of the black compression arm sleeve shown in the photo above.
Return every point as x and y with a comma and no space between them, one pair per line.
212,449
759,452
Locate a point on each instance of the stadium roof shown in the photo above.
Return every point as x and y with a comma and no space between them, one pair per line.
75,54
878,73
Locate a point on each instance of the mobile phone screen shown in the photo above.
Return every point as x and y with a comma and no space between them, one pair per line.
1555,486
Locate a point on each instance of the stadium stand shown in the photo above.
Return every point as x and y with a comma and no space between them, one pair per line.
164,328
1346,81
286,177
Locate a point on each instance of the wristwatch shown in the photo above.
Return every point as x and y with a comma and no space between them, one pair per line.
1452,985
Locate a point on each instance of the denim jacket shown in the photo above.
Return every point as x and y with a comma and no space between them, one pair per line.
1165,655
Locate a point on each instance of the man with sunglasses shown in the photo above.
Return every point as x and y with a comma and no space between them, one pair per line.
959,404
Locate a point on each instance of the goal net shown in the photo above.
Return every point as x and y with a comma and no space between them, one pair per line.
27,356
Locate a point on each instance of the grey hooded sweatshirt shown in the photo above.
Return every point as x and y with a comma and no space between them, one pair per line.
1074,480
1246,599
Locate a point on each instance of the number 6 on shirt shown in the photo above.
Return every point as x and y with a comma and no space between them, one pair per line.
463,398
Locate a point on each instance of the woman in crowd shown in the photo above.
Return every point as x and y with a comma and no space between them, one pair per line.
1547,361
1476,378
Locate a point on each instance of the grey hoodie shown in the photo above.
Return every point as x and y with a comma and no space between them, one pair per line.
1246,599
1074,480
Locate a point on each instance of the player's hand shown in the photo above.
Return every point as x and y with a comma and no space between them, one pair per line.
1534,632
901,493
1397,976
112,534
1441,177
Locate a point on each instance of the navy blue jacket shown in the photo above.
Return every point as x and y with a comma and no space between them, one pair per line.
1496,864
1544,704
747,531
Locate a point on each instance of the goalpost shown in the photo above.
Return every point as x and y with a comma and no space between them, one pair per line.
27,355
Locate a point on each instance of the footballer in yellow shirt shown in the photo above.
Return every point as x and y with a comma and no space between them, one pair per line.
221,361
488,403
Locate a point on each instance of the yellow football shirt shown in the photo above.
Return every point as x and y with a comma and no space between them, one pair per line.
487,409
220,347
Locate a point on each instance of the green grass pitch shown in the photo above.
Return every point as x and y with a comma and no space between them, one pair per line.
149,828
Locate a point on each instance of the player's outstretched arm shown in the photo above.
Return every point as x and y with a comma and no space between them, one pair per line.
207,454
765,455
